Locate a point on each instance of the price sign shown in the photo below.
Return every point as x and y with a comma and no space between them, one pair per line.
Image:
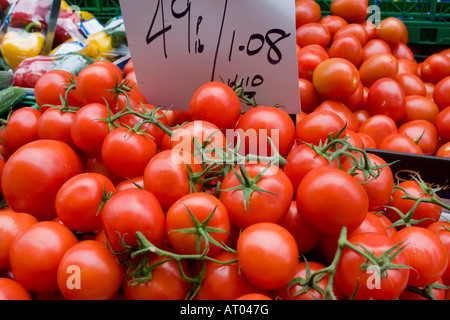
178,45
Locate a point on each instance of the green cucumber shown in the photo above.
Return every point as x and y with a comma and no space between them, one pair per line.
6,79
10,98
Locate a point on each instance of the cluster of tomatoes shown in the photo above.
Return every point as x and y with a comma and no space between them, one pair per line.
107,196
369,75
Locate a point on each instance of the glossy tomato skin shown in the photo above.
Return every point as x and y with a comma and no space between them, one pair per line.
44,163
443,124
412,84
267,254
347,47
425,254
444,150
351,11
435,68
387,97
400,142
97,277
313,33
270,205
78,209
392,30
350,277
36,253
217,103
440,93
12,290
378,127
380,65
56,124
329,199
442,231
310,98
373,47
309,58
130,211
424,132
306,11
201,205
11,225
339,107
420,107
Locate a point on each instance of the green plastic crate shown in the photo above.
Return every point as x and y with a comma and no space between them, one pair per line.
103,10
428,21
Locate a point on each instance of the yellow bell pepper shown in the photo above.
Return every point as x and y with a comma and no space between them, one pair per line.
101,43
22,44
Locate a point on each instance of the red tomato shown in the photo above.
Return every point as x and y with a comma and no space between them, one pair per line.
435,68
167,177
347,47
126,153
166,282
438,293
378,66
36,253
339,108
306,11
333,23
351,11
412,84
98,277
11,225
94,163
400,142
56,124
424,132
265,200
369,284
444,150
309,58
373,47
44,163
135,182
356,100
401,51
372,223
443,124
207,211
355,29
313,33
442,230
429,211
128,67
217,103
392,30
78,209
407,66
362,116
267,255
367,141
425,254
12,290
329,199
130,211
309,96
21,128
132,98
316,126
254,297
387,97
440,93
378,127
336,78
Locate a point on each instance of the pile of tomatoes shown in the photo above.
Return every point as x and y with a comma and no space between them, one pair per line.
107,196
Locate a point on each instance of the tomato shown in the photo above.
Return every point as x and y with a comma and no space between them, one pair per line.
177,117
372,223
309,58
401,50
130,211
378,127
306,11
316,126
329,199
347,47
387,97
204,208
400,142
262,122
254,297
12,290
441,229
438,294
50,89
126,153
133,98
96,83
313,33
443,124
440,93
336,78
36,253
356,100
367,141
309,96
333,23
56,124
129,66
265,200
80,210
304,269
33,175
373,47
305,235
429,211
135,182
378,66
94,163
11,225
300,160
412,84
425,254
392,30
217,103
424,132
435,68
166,282
89,127
370,284
355,29
167,176
379,188
407,66
444,150
339,108
362,116
267,255
223,281
98,277
351,11
21,128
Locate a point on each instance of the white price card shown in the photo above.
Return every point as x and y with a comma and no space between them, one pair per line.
178,45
